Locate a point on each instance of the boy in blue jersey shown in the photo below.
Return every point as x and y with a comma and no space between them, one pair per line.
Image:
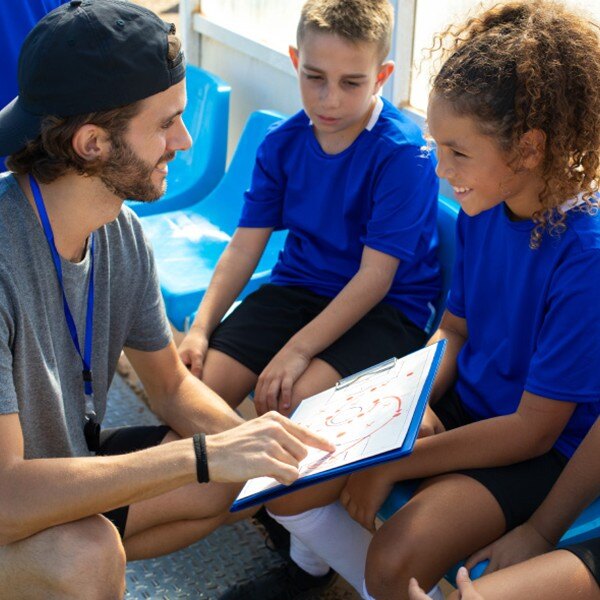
347,177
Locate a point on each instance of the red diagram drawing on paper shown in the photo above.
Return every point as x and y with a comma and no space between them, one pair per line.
351,422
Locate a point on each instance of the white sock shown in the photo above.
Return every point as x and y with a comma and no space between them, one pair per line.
335,537
306,559
365,593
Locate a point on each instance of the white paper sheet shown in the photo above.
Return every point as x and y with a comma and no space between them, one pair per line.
366,418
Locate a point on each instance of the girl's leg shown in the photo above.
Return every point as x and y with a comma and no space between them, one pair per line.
553,576
450,517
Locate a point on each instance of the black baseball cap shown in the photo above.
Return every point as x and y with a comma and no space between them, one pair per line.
87,56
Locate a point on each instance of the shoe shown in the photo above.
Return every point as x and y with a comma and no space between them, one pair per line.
284,582
277,537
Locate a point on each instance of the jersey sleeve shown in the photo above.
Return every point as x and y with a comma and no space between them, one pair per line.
150,329
263,201
404,205
456,295
565,362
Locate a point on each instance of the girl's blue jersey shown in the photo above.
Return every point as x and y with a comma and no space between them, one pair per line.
532,316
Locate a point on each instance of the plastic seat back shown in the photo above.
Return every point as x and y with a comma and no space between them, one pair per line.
188,243
195,172
446,227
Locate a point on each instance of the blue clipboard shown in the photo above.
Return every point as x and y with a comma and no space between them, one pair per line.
406,448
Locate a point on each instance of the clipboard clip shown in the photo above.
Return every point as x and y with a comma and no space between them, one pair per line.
386,365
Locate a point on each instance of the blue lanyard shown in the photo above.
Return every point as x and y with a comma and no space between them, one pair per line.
86,357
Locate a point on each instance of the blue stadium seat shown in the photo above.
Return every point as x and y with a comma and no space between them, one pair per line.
446,226
188,243
195,172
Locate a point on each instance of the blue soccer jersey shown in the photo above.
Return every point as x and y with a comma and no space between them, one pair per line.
380,192
531,316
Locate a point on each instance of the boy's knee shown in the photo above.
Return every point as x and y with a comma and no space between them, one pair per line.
90,556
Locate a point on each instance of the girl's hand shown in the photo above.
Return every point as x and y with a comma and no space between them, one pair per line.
516,546
364,494
431,424
275,384
192,351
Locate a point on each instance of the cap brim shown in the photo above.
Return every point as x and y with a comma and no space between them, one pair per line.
17,127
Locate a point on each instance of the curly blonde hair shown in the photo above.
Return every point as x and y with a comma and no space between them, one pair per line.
531,65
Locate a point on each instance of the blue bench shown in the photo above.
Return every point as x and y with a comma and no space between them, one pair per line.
195,172
188,243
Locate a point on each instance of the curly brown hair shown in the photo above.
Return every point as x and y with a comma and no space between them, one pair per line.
531,65
353,20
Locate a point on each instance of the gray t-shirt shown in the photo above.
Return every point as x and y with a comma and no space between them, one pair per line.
40,370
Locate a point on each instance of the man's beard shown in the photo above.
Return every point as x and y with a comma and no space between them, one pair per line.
127,176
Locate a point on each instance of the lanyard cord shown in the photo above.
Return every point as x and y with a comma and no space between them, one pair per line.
86,357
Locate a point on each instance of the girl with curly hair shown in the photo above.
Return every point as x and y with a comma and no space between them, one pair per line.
515,113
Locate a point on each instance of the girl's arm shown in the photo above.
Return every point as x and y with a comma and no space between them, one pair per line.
366,289
454,330
234,269
529,432
578,486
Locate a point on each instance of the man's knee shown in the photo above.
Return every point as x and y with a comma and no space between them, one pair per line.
89,556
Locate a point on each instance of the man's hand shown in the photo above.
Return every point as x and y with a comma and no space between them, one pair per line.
275,384
430,424
269,446
415,592
364,493
516,546
192,351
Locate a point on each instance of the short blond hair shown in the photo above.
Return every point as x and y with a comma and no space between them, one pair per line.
353,20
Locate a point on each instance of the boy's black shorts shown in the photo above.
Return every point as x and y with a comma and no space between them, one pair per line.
520,488
122,440
263,323
589,553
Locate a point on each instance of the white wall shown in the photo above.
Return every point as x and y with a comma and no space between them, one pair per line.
254,84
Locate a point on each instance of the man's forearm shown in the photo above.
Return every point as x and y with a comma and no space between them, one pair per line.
193,407
39,493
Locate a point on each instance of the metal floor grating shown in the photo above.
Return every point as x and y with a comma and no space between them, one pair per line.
209,567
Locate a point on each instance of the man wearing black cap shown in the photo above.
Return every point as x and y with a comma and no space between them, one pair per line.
97,119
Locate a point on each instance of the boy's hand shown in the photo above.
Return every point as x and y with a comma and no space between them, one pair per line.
516,546
270,446
364,494
276,382
431,424
192,351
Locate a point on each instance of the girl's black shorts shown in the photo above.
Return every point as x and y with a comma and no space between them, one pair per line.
520,488
589,553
